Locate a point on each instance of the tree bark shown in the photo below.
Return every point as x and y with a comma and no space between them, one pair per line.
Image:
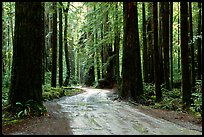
184,56
26,79
179,50
66,82
165,24
54,46
117,47
60,47
156,55
132,86
191,49
150,45
145,63
160,41
199,43
171,41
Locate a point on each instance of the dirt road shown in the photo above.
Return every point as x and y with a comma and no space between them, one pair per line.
96,112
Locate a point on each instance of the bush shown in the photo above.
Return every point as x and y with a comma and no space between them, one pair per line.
196,106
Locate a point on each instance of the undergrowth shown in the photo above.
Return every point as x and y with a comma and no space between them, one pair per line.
30,108
172,100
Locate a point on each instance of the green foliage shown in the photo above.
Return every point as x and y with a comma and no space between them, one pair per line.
196,106
24,109
5,85
8,118
149,88
30,107
171,100
149,93
50,93
47,78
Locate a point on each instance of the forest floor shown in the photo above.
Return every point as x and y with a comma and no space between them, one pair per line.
97,111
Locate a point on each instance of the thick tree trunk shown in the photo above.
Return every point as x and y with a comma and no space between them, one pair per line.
26,80
132,86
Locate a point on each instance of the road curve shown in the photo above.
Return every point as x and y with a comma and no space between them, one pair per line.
95,113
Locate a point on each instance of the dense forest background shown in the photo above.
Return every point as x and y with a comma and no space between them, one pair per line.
150,51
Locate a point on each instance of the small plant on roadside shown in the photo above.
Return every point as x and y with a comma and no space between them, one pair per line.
196,106
30,108
24,109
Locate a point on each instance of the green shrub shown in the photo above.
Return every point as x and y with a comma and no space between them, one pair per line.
30,107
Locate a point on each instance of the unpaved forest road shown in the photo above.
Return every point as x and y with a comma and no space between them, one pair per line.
94,112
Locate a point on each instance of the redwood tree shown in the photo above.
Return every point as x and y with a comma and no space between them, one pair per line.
199,40
26,79
60,47
54,46
66,82
156,55
165,43
145,59
131,67
184,56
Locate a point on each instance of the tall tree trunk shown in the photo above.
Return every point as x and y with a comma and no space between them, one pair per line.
179,54
165,24
8,43
97,64
145,63
60,47
26,79
43,48
54,46
156,55
184,56
66,82
199,43
191,49
160,41
150,45
131,68
72,57
171,41
12,36
106,46
11,21
116,47
102,50
90,77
